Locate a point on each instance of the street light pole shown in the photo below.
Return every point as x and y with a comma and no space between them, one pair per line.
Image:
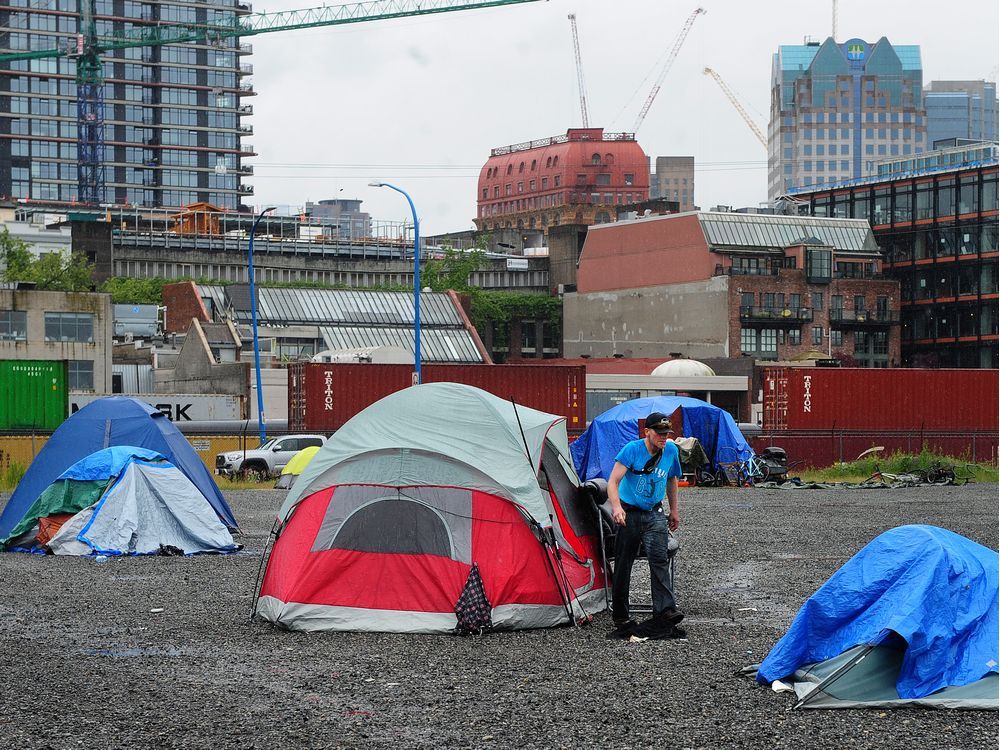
253,324
416,277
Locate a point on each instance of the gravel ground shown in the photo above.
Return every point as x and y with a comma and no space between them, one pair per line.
86,663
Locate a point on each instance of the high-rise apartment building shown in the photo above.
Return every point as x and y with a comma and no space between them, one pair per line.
961,109
837,108
673,179
172,113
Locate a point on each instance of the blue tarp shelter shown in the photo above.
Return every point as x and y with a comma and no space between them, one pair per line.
107,422
595,450
911,618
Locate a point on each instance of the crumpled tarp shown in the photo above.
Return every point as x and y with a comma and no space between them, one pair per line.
934,588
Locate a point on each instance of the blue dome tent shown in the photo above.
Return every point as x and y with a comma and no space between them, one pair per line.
595,450
107,422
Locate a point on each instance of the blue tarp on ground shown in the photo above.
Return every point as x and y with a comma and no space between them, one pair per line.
106,422
595,450
936,589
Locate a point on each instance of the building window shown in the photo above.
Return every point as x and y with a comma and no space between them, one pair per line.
68,326
817,335
795,337
629,179
81,375
604,179
769,341
13,325
818,265
748,342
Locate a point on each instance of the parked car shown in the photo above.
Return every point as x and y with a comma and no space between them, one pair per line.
269,459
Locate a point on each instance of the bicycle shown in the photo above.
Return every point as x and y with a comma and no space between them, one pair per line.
741,472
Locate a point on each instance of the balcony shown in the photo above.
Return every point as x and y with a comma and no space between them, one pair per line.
245,109
245,189
247,148
246,49
245,129
862,319
246,69
245,169
745,271
775,317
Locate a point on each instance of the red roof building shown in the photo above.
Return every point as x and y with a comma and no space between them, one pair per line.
577,178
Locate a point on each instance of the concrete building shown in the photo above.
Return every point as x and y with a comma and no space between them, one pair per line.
715,284
935,216
173,114
577,178
343,213
836,108
673,179
74,327
962,109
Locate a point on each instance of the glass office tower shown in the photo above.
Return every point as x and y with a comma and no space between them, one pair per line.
837,108
173,114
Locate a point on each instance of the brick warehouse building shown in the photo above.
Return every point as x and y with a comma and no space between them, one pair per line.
577,178
717,284
935,216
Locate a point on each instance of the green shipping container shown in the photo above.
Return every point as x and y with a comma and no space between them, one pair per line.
33,394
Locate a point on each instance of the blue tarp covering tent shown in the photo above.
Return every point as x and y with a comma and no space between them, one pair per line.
925,592
106,422
595,450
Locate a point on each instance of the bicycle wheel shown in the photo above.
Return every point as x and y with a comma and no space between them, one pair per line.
707,479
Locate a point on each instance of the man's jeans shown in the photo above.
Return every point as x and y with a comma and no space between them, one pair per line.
650,527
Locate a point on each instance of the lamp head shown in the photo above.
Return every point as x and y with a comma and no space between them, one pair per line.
376,184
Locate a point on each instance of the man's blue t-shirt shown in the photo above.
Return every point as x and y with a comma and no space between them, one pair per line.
646,490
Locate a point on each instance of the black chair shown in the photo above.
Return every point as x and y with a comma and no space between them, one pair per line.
596,492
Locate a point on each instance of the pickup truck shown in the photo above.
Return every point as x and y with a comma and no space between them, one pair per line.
267,460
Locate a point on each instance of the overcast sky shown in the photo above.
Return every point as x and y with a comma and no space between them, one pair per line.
420,102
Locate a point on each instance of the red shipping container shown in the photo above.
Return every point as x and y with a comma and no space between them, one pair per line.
322,397
827,398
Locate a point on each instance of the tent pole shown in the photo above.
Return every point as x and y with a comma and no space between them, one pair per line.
263,557
836,675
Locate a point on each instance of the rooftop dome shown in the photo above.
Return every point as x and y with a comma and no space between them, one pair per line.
683,368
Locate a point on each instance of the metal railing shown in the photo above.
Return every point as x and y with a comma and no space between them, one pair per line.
789,314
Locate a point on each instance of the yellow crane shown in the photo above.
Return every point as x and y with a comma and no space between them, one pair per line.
739,107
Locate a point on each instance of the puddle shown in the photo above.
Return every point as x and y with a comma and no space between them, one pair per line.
127,653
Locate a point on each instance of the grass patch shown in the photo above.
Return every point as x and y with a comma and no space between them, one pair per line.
900,463
10,476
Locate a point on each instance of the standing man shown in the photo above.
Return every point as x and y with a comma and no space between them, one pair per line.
645,471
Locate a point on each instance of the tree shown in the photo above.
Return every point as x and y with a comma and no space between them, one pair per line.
50,271
453,270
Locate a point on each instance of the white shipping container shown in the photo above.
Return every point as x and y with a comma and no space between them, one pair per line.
177,407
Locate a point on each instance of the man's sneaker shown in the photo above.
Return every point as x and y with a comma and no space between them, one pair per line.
671,616
622,630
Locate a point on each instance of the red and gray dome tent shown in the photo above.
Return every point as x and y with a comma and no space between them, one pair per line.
440,507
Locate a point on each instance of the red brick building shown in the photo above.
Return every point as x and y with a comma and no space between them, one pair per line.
577,178
714,284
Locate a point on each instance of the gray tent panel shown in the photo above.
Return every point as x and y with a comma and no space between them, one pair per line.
865,676
149,506
413,520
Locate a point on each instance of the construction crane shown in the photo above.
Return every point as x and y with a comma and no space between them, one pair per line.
579,72
667,65
739,107
89,46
